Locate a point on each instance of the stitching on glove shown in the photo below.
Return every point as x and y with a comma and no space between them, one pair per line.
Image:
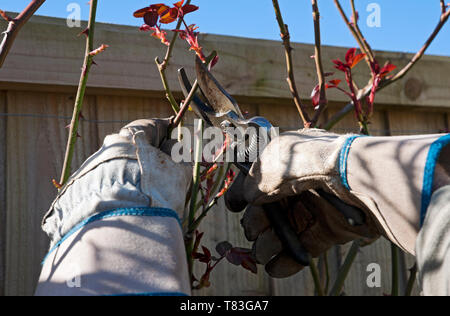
144,211
428,177
343,159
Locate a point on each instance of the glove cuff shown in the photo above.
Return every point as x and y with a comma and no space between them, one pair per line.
393,177
140,251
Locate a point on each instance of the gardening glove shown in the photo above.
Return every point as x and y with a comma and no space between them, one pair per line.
115,226
389,179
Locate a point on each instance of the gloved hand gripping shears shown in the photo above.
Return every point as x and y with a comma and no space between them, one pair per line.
217,108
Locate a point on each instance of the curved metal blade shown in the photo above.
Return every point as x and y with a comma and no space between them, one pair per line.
200,108
218,98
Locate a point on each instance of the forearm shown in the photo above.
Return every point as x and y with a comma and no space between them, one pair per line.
122,252
433,246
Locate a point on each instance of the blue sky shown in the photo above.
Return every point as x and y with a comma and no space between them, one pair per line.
405,24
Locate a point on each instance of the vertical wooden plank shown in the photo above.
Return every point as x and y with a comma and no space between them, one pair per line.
2,191
36,137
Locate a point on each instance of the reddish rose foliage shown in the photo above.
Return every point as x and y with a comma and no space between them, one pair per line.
228,181
157,33
351,60
152,13
378,73
164,13
315,95
234,255
191,37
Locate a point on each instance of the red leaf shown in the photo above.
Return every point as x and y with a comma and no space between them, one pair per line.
357,59
237,255
350,56
141,12
189,8
340,65
223,247
151,18
387,69
170,16
315,96
160,34
198,238
250,265
214,62
179,4
332,84
206,252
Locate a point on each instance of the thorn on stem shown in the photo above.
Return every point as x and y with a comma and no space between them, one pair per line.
84,32
99,50
56,184
5,16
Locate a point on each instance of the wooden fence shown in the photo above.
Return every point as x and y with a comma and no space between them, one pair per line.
37,89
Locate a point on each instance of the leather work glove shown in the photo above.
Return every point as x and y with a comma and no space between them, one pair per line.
382,178
115,226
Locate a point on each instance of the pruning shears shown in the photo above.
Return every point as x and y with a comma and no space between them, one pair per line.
218,108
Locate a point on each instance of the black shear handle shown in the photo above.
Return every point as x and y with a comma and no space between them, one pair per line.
283,229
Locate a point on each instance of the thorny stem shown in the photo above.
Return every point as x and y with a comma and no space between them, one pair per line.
345,269
165,82
327,271
395,269
316,278
14,27
319,65
195,188
88,60
285,36
162,66
353,31
411,281
185,106
220,179
367,49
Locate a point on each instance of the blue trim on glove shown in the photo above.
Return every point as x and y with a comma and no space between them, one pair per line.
343,159
140,211
428,176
